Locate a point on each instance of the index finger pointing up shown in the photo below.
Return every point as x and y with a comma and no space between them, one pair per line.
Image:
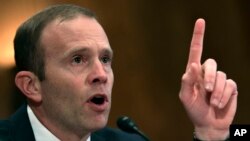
196,47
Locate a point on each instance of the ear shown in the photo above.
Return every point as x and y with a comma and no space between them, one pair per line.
29,84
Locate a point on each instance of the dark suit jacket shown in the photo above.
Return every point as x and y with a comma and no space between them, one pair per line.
18,128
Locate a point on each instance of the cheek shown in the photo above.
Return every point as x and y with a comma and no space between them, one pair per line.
65,79
63,88
111,77
63,99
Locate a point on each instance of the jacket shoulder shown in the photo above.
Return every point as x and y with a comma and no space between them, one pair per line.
115,134
17,127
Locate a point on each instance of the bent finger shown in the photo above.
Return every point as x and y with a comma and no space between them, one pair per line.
218,88
209,70
230,89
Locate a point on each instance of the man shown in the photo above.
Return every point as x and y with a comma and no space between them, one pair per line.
64,61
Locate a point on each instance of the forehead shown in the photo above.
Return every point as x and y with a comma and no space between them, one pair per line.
79,31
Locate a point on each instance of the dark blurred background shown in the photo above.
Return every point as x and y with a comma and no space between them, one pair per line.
151,40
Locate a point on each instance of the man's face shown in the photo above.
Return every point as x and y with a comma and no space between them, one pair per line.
76,92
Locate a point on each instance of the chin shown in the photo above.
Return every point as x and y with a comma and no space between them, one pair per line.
97,127
98,123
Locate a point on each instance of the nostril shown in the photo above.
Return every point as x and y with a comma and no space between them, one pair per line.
99,80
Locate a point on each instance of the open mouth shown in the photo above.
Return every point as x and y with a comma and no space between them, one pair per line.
98,99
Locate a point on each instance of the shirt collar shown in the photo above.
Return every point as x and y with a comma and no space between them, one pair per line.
41,133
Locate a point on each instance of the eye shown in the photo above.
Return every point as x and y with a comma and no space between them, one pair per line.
106,59
78,59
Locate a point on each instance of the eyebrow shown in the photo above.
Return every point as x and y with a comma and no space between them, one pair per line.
107,50
77,49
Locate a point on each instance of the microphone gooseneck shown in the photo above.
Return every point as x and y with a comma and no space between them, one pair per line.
128,125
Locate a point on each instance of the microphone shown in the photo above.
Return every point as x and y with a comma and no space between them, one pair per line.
126,124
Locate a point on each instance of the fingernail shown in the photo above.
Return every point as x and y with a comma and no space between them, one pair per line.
220,105
209,87
215,102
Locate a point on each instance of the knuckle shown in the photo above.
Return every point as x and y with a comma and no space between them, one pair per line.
209,65
231,83
212,61
180,96
221,74
184,77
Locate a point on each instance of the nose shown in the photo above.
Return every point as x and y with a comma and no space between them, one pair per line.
98,74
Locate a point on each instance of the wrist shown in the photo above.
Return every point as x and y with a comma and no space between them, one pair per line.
210,135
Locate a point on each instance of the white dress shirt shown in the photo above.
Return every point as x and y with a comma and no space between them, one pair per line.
41,133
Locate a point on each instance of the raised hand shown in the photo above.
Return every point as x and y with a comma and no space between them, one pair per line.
209,97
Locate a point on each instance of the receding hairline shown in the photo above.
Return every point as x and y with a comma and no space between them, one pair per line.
60,20
28,51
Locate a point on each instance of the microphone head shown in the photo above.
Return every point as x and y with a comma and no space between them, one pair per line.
126,124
